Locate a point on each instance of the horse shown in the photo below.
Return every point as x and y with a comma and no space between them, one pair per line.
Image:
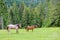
11,26
30,28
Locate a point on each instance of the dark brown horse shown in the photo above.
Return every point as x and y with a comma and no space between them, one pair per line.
30,27
11,26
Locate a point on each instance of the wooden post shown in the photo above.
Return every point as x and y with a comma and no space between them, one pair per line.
1,23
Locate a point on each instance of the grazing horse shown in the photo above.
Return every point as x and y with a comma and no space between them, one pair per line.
11,26
30,27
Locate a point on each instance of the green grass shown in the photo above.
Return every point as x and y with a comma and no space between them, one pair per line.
37,34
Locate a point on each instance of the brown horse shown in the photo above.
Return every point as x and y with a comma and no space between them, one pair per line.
30,27
11,26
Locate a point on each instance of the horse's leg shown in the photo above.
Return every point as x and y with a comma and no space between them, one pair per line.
32,29
16,30
27,30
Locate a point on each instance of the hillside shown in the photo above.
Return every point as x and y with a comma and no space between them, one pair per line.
27,2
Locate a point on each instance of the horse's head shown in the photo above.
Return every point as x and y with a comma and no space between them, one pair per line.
19,25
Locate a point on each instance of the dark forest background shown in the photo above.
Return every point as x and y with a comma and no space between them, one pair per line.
43,13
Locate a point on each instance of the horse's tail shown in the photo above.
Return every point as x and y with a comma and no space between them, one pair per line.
25,27
7,28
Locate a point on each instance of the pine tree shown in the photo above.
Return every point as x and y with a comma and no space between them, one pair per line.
24,17
15,14
37,14
57,23
49,14
21,9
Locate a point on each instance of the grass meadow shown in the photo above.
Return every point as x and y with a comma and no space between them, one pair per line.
37,34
